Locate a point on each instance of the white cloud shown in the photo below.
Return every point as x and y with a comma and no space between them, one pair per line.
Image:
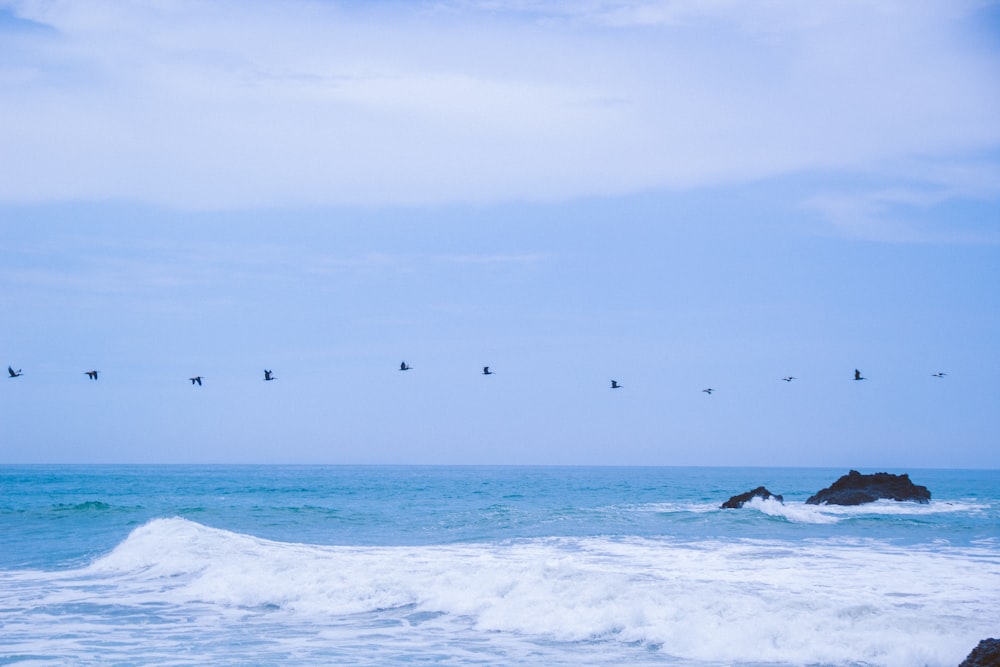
911,210
214,103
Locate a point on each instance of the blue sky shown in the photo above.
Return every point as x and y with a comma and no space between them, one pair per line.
676,195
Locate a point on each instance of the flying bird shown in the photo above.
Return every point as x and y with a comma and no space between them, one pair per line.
708,391
857,375
938,375
615,385
196,380
788,378
487,371
91,374
404,367
13,373
267,376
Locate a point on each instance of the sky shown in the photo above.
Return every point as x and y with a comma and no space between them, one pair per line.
676,195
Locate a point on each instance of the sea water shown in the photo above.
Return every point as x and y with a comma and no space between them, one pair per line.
338,565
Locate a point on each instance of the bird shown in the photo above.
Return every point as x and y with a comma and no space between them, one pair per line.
857,375
788,378
615,385
267,376
487,371
13,373
939,375
708,391
91,374
404,367
196,380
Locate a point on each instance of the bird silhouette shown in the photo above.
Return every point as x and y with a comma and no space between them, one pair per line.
196,380
708,391
267,376
939,375
13,373
487,371
615,385
788,378
404,367
857,375
91,374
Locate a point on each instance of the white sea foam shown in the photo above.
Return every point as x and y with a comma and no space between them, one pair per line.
674,507
795,512
798,512
715,602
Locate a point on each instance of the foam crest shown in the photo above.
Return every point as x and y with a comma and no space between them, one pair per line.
820,603
794,512
895,508
799,512
169,547
196,563
827,514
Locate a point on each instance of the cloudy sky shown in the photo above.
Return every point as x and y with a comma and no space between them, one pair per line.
676,195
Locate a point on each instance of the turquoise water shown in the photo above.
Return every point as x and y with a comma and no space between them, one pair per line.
488,565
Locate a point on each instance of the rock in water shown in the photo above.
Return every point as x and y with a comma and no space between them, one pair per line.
857,489
760,492
986,654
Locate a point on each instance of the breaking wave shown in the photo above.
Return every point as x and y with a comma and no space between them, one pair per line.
818,603
822,514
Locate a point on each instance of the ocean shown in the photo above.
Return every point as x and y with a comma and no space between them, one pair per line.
439,565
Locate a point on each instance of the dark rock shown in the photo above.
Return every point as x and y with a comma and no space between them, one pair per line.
986,654
857,489
760,492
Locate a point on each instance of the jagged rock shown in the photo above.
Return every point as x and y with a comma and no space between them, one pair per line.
857,489
760,492
986,654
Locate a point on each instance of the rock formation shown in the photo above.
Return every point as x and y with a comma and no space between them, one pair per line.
986,654
760,492
857,489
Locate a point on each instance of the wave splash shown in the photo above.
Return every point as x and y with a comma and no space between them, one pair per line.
713,601
828,514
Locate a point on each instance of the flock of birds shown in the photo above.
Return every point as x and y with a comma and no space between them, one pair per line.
269,376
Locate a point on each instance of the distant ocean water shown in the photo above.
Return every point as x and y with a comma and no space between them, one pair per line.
381,565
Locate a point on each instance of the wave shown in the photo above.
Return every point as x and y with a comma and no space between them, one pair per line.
794,512
803,513
824,514
709,602
800,512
